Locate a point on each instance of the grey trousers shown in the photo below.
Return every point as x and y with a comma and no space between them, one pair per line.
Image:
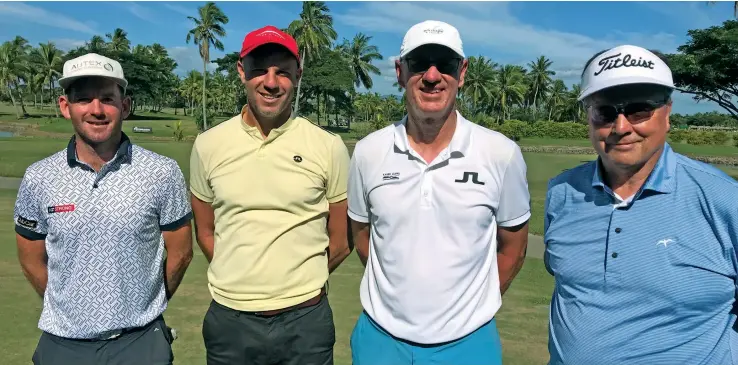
302,336
149,345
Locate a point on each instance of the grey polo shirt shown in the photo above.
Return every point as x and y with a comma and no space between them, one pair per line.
103,236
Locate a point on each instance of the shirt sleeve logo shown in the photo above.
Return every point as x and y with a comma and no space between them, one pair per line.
61,208
28,223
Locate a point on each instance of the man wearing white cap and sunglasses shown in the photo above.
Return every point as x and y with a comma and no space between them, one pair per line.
439,210
93,222
642,241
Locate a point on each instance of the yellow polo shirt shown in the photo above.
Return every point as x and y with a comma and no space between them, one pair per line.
270,198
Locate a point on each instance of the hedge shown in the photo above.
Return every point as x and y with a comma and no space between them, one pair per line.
515,130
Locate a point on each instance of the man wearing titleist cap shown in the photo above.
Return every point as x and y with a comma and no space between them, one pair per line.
642,241
439,209
269,197
93,223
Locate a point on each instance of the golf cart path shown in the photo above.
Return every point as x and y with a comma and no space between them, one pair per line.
535,243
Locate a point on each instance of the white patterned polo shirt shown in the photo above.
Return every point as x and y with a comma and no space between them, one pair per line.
103,237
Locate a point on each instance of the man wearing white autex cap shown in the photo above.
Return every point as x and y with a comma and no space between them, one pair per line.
439,209
641,241
92,224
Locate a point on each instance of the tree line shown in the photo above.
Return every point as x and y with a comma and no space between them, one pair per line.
704,66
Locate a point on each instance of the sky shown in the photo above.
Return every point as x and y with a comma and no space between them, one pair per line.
568,33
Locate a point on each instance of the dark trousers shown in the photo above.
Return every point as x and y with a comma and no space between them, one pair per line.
150,344
302,336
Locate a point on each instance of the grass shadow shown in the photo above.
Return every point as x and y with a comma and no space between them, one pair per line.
335,129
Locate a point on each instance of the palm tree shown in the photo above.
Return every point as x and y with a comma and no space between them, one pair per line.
205,33
47,59
10,68
96,44
540,76
118,41
314,33
360,54
479,81
511,88
556,99
22,49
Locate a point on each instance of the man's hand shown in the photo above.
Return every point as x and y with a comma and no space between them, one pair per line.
339,246
178,244
204,226
512,243
360,233
33,259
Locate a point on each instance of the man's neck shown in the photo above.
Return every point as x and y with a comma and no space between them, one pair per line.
97,155
626,181
265,125
428,137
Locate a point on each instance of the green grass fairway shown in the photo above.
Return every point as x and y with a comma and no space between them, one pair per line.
522,320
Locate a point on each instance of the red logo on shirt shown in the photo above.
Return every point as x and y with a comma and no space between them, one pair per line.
61,208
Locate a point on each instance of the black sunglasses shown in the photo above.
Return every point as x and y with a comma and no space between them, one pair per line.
637,111
448,66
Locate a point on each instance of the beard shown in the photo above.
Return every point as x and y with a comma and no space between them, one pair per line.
261,111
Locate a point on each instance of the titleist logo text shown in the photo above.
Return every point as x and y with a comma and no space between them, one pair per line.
614,61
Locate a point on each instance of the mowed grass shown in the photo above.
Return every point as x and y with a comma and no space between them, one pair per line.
522,320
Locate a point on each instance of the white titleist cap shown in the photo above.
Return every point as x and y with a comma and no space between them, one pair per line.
624,65
431,32
92,64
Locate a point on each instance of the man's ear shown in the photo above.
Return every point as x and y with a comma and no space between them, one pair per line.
398,71
241,73
126,108
299,73
64,106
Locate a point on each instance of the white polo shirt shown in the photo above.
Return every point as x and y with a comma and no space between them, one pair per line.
431,275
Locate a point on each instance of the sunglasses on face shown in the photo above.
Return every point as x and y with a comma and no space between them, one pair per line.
634,112
448,66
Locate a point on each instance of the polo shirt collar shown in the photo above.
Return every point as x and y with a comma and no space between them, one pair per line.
460,141
662,179
274,133
124,153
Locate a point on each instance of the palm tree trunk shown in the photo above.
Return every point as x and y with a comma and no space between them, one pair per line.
20,93
299,83
12,100
51,93
535,106
204,96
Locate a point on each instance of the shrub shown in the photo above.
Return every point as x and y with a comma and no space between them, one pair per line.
719,138
698,138
178,131
514,129
677,135
559,130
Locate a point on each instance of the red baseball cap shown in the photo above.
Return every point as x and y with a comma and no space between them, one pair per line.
266,35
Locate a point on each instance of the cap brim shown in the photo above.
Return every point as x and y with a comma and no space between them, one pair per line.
64,82
623,81
410,49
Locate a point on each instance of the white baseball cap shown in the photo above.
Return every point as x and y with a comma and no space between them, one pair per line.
92,64
431,32
624,65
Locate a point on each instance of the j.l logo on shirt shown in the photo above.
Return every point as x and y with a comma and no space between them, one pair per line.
61,208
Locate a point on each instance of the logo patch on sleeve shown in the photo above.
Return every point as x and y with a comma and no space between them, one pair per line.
61,208
31,224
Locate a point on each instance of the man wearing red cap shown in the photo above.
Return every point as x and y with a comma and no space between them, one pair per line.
269,199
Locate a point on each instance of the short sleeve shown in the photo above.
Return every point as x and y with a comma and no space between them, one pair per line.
29,214
514,206
174,204
358,209
199,184
338,172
